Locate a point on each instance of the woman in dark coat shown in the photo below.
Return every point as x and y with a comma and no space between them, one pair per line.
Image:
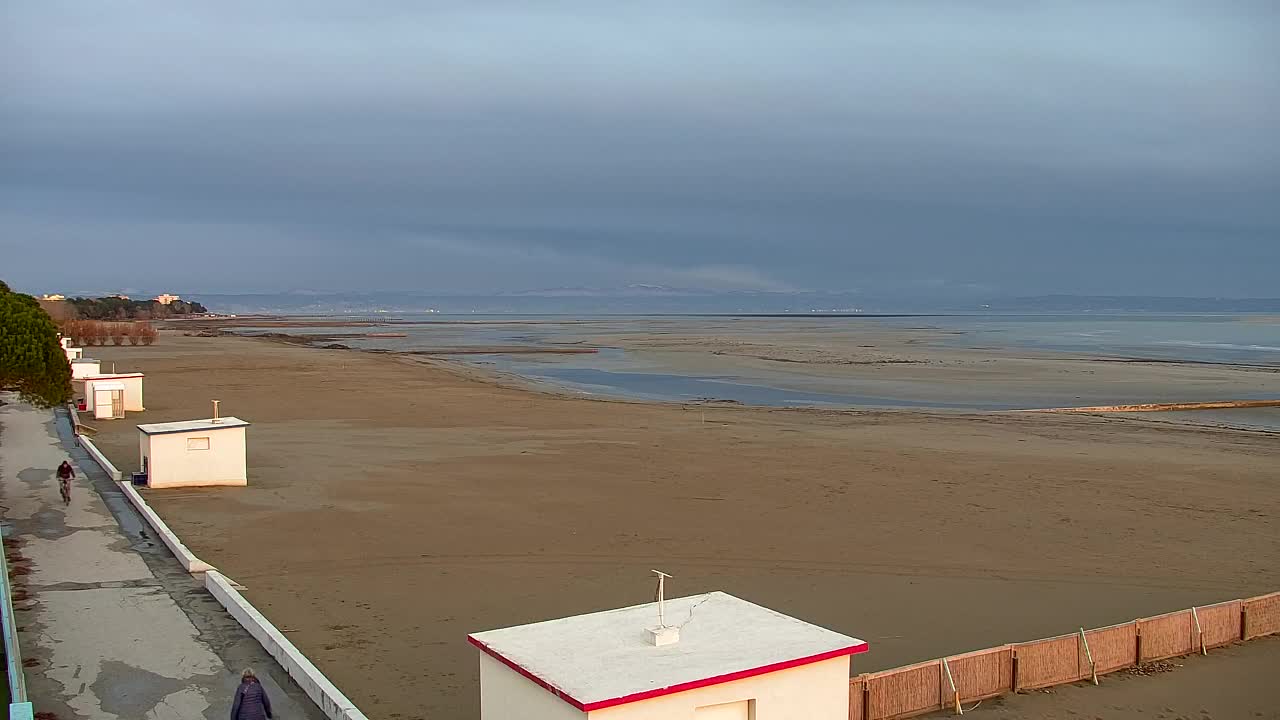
251,701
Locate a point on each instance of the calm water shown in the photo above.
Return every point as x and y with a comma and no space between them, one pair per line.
1232,339
683,388
1235,339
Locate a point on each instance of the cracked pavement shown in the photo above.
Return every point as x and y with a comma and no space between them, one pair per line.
110,626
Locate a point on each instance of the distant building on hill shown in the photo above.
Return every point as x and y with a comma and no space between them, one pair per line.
53,297
166,298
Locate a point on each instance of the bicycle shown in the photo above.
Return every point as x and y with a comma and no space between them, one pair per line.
64,488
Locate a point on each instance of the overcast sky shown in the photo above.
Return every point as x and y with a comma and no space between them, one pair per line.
923,147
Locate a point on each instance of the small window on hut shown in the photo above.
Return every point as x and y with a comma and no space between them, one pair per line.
741,710
200,443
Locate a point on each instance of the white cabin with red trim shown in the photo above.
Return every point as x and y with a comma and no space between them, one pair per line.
732,660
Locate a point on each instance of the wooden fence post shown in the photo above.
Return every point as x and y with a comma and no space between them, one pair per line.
866,699
1093,668
1199,631
1137,640
955,694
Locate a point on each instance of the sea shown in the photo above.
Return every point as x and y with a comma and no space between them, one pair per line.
1240,339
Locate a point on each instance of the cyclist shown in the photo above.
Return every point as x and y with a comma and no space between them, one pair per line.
65,474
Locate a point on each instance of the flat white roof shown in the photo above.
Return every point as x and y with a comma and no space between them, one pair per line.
604,659
108,385
87,360
113,376
192,426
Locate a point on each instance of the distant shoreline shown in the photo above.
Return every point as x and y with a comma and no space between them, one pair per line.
937,365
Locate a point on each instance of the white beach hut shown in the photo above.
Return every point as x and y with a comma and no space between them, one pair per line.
714,657
73,353
192,453
105,398
132,382
84,367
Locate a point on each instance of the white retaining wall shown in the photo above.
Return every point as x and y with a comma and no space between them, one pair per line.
99,458
185,557
327,697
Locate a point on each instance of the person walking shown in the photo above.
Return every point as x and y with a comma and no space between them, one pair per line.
65,475
251,701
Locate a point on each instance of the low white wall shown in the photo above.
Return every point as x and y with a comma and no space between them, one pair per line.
328,698
99,458
185,557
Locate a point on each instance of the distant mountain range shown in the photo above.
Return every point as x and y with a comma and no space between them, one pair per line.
658,299
635,290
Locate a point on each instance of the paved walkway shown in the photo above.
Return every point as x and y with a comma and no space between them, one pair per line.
109,624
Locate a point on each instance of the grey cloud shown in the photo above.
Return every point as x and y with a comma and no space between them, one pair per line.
1021,148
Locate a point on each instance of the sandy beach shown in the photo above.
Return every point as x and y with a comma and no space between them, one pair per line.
397,503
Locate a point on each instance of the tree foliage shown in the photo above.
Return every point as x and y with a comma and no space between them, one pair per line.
116,308
31,359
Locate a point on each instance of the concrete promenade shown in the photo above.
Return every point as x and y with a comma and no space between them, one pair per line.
110,626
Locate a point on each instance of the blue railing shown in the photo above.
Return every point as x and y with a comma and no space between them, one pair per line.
19,706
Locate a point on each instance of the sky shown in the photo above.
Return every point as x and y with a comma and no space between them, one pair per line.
891,148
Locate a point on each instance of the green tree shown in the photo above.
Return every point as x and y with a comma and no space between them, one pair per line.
31,359
114,308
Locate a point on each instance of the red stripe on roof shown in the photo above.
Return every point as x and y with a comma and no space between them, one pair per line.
671,689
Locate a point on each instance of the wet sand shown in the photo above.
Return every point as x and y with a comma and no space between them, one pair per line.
397,503
917,364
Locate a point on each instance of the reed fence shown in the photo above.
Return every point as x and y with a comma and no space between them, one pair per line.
957,680
1261,616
